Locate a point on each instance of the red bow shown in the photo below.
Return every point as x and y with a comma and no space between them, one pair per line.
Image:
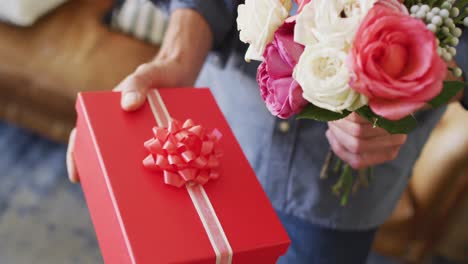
185,154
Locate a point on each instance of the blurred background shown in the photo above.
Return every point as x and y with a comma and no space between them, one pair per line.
51,49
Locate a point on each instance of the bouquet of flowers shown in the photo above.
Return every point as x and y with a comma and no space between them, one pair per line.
382,59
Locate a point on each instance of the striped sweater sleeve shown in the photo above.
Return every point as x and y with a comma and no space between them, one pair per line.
220,15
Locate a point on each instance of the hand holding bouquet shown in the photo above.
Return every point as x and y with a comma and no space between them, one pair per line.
381,59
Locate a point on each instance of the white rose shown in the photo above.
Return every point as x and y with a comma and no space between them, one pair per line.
330,20
324,78
257,22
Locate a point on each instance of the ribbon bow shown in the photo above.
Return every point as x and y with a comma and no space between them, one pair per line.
185,154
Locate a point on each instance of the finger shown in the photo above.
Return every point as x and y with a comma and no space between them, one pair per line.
340,151
365,160
134,89
353,117
359,145
132,100
379,157
72,174
359,130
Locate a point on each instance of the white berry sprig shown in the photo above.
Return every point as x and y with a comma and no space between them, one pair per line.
445,19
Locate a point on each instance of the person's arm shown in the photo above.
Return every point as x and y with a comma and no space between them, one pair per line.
188,40
186,44
219,14
184,49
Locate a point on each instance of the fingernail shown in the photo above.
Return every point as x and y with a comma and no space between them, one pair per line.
129,99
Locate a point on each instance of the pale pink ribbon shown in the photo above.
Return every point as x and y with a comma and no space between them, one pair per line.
197,193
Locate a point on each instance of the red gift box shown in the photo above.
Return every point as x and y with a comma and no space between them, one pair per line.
140,219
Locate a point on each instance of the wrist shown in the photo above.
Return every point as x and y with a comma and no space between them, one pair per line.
176,65
186,44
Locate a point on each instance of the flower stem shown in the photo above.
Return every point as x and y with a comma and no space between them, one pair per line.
336,188
363,177
348,184
326,165
337,167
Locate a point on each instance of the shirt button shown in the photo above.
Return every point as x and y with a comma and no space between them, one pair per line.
284,126
216,60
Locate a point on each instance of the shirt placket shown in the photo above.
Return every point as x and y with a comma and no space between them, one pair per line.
281,154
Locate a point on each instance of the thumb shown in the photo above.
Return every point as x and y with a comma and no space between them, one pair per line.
135,87
133,99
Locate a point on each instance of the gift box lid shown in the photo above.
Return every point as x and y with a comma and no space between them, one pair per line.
155,222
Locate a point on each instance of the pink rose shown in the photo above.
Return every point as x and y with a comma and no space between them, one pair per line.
396,5
281,93
395,62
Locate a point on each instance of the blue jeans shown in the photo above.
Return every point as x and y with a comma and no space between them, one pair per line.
313,244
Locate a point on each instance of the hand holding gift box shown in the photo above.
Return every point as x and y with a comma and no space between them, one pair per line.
139,218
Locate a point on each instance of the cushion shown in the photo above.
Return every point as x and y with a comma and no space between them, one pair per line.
140,19
26,12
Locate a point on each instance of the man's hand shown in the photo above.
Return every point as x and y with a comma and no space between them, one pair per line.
357,142
134,89
149,75
186,44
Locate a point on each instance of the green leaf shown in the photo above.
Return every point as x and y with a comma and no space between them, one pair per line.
316,113
449,90
402,126
461,4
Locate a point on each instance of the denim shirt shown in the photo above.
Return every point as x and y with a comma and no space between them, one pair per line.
287,155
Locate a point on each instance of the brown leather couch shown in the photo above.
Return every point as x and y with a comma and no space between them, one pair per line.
43,67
